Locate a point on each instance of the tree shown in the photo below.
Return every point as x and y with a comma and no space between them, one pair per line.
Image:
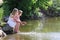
28,6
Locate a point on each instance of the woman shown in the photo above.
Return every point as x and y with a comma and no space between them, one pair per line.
11,21
14,19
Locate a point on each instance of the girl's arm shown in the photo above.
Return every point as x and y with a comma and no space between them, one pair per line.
16,19
23,23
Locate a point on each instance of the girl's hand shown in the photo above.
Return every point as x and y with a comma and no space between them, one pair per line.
24,22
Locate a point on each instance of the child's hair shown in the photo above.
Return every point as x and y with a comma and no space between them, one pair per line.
20,11
14,11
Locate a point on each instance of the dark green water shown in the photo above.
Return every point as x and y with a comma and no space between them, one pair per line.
44,29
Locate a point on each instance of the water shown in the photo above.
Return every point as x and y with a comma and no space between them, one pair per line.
44,29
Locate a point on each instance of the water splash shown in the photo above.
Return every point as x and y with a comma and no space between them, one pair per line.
42,36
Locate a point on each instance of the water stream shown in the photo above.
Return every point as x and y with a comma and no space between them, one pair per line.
44,29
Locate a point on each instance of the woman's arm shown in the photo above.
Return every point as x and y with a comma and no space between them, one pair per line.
15,18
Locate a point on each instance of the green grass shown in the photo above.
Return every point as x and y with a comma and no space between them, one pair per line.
1,13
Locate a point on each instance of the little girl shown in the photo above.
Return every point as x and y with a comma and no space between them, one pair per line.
18,21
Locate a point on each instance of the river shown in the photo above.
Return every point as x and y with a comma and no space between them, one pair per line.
43,29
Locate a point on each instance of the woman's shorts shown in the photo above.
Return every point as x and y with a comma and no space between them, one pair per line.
7,29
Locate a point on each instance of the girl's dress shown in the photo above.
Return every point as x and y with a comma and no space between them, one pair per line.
17,18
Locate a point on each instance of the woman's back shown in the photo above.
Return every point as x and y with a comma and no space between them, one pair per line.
11,22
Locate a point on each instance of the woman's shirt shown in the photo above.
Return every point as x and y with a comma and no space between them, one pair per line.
11,22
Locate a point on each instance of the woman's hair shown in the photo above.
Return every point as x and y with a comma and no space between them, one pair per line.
14,11
20,11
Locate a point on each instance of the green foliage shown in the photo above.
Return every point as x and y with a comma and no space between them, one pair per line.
1,13
45,3
8,6
54,10
29,7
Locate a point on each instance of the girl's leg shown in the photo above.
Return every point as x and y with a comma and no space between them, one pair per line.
17,27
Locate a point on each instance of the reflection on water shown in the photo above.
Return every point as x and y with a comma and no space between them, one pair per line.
45,29
34,36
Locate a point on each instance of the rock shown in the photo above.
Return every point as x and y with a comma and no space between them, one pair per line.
1,2
5,19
